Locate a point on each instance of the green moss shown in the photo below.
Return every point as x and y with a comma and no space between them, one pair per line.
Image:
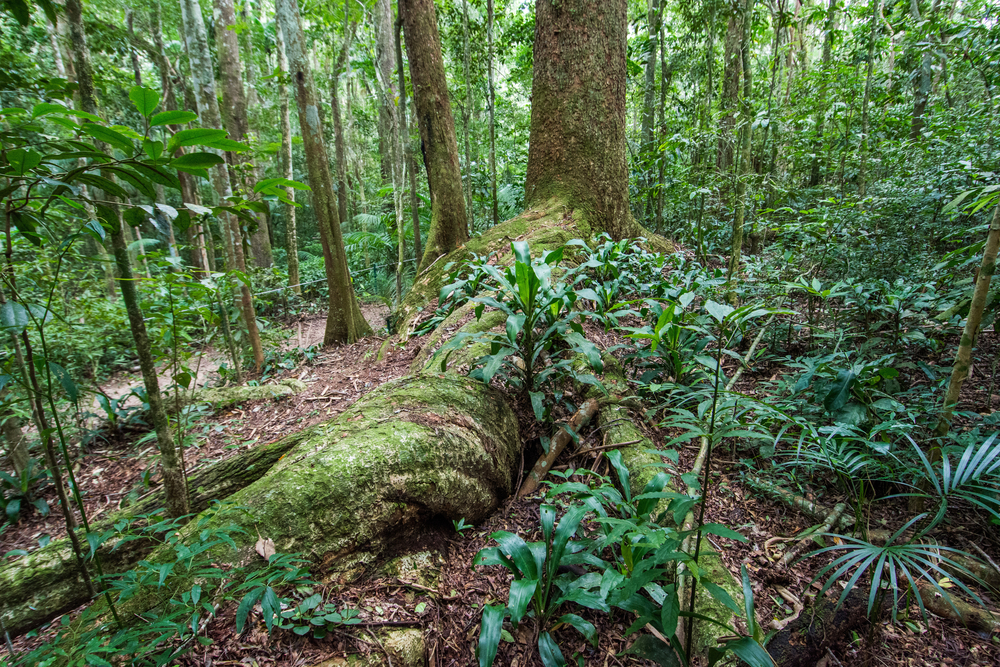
223,397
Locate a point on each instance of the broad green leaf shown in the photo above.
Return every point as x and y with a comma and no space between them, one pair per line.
586,628
489,634
840,392
669,613
750,652
101,183
521,252
538,404
199,136
722,596
23,160
13,317
516,548
718,311
108,136
196,161
515,323
521,591
549,651
63,376
651,648
20,10
153,148
135,180
246,604
172,118
145,99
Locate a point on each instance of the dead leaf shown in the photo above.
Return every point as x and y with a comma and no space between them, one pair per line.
265,547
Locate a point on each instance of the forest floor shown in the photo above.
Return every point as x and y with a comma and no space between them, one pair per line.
448,608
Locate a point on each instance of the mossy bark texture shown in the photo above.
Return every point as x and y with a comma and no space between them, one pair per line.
437,129
577,150
411,450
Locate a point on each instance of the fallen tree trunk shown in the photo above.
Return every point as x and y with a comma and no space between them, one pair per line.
47,582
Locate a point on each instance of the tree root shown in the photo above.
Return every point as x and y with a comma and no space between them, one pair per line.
955,609
557,445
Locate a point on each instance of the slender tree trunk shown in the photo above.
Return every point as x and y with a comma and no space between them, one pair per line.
577,151
493,102
234,116
173,478
922,91
291,234
208,110
666,76
136,70
449,227
963,359
339,140
730,91
829,29
57,56
385,56
344,323
251,66
865,116
746,113
646,147
467,115
404,131
775,58
17,444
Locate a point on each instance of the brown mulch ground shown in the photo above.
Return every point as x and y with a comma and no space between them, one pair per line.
449,611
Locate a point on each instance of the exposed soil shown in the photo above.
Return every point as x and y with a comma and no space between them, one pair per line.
449,612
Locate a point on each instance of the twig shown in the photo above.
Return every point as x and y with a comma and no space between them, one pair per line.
833,657
557,445
832,519
590,450
797,608
746,358
387,656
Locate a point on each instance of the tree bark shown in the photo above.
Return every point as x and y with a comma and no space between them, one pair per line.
829,29
344,323
339,140
731,73
234,116
467,114
493,133
437,129
130,27
17,444
963,359
746,130
208,110
404,131
291,233
647,149
577,151
922,90
865,116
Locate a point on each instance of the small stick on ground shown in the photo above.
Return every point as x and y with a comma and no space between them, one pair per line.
557,445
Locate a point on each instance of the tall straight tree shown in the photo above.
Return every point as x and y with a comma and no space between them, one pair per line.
437,129
493,102
745,134
647,147
291,233
174,483
829,30
731,73
467,110
922,82
404,132
344,322
865,115
339,138
577,151
234,115
202,74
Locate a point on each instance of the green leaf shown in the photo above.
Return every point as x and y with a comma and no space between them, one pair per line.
538,404
246,604
271,607
549,651
586,628
20,10
13,317
195,594
840,392
748,600
722,531
135,180
65,380
95,229
196,161
154,149
489,634
521,591
521,252
722,596
651,648
517,550
718,311
172,118
101,183
750,652
145,99
669,613
23,160
108,136
199,136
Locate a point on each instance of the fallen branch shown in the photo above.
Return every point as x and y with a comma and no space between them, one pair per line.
831,520
791,500
797,608
951,607
591,450
557,445
746,358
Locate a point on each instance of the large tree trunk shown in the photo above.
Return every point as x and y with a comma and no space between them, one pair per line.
234,115
577,151
208,110
291,233
344,322
437,129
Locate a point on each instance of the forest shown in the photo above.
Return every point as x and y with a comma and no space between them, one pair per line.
499,332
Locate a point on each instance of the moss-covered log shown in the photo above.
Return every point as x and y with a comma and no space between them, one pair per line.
220,398
410,450
47,582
